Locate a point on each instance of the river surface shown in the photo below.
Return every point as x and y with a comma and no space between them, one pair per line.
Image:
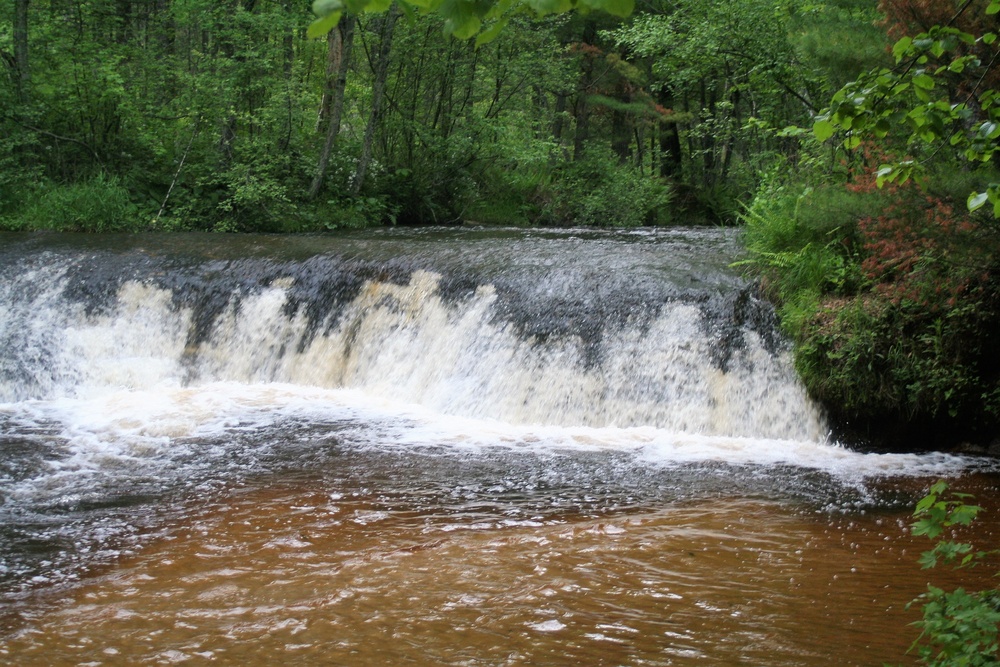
434,447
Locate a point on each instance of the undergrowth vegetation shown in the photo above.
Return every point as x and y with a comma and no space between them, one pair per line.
957,627
891,297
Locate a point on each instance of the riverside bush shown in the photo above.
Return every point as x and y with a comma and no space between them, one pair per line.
957,627
99,204
892,299
599,191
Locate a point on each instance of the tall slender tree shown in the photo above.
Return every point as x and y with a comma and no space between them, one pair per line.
21,63
380,71
339,44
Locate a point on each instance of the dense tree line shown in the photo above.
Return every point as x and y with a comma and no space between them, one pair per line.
191,114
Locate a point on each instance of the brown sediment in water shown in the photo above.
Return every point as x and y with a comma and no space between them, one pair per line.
293,573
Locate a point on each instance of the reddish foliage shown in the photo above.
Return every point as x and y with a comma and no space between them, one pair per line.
585,49
920,251
909,17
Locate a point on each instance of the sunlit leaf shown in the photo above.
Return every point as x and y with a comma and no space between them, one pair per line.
823,129
322,26
900,48
620,8
492,32
544,7
323,8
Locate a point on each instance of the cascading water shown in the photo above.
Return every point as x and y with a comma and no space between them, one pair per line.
490,379
603,336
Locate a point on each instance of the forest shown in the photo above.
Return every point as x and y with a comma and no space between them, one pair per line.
227,116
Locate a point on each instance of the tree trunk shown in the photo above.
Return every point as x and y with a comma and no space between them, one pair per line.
559,121
334,56
230,129
23,71
621,135
380,72
670,143
581,110
340,43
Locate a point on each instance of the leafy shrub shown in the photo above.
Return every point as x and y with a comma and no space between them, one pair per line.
599,191
893,303
359,212
803,242
958,627
100,204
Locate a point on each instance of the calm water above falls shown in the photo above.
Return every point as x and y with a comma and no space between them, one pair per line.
433,447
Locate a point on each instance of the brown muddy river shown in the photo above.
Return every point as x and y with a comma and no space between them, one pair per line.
295,572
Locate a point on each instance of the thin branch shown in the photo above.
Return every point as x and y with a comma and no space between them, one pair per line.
58,137
177,174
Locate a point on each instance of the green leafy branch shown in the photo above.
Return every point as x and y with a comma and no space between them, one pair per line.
915,100
958,627
483,19
935,514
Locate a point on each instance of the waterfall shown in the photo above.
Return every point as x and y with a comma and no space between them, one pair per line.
549,337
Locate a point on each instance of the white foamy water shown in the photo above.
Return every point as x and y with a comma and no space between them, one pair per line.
405,343
152,431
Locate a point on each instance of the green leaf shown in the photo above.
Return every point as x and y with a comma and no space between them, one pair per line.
323,8
823,129
621,8
884,172
544,7
964,514
492,32
989,130
994,7
927,560
927,527
900,48
322,26
924,81
977,200
463,25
